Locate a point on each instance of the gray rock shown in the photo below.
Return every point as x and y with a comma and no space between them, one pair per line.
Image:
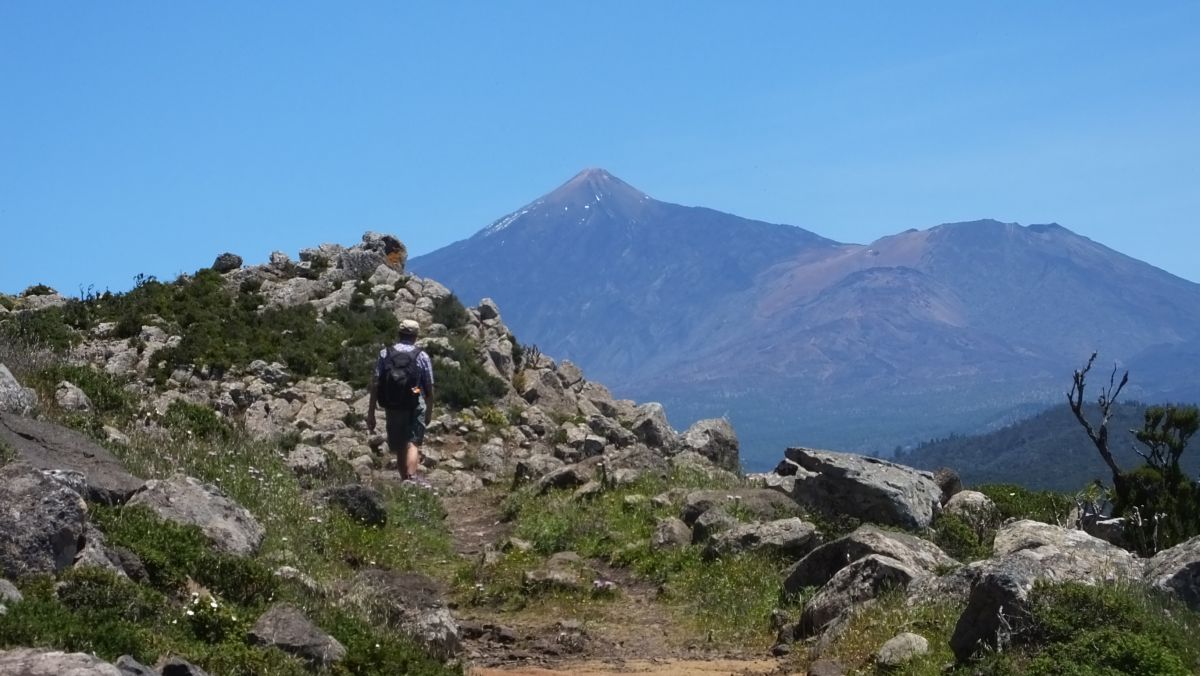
715,440
409,603
279,259
454,483
651,427
826,668
230,527
759,503
307,460
822,563
360,264
34,662
569,476
285,627
712,522
1025,552
1177,571
974,508
97,554
784,537
948,481
360,502
1111,530
857,583
544,389
9,595
227,262
868,488
131,667
670,533
488,309
71,398
48,446
42,521
13,397
535,467
562,571
901,649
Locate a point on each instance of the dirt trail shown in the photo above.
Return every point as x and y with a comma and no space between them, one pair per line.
632,634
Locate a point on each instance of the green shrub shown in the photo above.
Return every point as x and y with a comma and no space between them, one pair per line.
1016,502
449,312
172,554
468,384
106,391
184,418
960,539
7,302
47,328
1160,511
38,290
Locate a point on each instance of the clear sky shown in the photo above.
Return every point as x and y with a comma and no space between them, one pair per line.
147,137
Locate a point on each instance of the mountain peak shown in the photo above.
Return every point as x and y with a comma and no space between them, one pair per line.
592,185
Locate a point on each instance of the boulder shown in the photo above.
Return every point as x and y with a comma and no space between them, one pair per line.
535,467
285,627
786,537
822,563
712,522
96,553
131,667
36,662
901,649
13,397
1177,571
42,520
949,481
307,460
857,583
230,527
227,262
70,398
867,488
563,571
760,504
974,508
715,440
48,446
360,502
670,533
651,427
9,595
544,389
409,603
1026,552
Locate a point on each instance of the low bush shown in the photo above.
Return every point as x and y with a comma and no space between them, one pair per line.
107,392
1016,502
961,539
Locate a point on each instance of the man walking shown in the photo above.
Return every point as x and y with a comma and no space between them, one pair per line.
402,384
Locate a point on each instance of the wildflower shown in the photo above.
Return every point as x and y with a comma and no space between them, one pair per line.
212,604
191,612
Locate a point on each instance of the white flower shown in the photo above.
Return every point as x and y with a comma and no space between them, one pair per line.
191,612
212,604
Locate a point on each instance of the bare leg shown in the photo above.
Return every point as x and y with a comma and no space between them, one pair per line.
412,462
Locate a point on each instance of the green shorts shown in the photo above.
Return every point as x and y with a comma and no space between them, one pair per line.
405,426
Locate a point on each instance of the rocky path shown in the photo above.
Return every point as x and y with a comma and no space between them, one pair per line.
632,634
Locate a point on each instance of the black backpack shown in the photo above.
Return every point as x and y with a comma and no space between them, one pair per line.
400,383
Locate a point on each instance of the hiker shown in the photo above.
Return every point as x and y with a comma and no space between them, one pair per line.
402,384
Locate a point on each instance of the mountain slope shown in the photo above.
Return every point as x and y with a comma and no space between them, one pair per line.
916,335
600,272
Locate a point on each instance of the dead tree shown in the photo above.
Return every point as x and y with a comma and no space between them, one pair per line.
1106,401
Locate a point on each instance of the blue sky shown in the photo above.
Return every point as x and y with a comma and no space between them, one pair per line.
142,137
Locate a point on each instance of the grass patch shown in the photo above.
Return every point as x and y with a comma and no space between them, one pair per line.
875,624
1016,502
107,392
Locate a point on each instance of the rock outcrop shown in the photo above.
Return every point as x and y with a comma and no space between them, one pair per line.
42,522
34,662
52,447
864,487
230,527
1177,571
285,627
822,563
1026,552
15,398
